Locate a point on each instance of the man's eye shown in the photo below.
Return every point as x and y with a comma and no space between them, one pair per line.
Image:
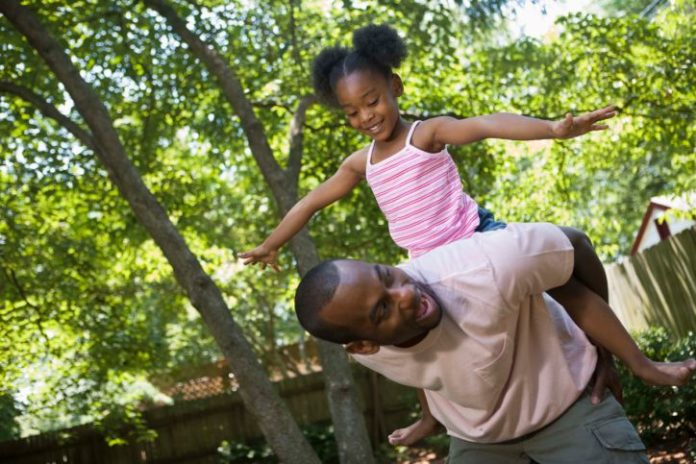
387,275
382,313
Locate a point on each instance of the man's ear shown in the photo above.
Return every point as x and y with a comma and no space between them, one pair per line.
362,347
397,85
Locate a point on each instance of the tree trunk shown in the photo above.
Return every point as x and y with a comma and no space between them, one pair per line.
349,424
260,398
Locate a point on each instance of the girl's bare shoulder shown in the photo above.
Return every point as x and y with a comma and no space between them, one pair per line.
424,137
357,160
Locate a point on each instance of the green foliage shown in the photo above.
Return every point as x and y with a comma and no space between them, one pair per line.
89,307
436,444
602,182
241,453
9,428
320,437
661,413
623,7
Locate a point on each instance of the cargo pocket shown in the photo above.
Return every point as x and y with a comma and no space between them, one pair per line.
617,434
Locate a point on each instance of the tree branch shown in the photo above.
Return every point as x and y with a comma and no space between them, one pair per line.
49,111
293,35
352,438
271,104
234,93
11,276
258,394
297,137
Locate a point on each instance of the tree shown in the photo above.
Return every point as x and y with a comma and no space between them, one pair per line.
350,427
280,429
600,183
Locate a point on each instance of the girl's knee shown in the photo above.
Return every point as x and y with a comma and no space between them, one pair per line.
577,237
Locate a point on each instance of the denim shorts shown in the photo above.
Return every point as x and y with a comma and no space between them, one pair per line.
487,221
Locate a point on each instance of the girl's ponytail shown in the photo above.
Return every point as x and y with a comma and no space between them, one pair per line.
381,44
322,67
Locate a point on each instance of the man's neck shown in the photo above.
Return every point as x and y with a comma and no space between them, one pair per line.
414,341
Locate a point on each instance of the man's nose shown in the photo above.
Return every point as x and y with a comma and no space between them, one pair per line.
402,295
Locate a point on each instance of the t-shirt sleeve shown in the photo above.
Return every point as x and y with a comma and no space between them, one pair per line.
527,259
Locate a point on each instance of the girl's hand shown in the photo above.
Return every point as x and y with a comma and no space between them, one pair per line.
263,255
570,126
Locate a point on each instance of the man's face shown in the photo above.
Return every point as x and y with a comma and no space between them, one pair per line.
382,304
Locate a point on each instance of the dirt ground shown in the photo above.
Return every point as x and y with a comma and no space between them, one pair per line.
676,452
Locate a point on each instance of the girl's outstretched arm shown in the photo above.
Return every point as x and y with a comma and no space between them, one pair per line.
348,175
451,131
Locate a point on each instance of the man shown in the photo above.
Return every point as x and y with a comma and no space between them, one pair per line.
503,367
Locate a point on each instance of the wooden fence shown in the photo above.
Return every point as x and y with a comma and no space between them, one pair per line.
657,286
190,432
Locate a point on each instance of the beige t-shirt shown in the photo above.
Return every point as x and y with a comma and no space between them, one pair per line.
506,358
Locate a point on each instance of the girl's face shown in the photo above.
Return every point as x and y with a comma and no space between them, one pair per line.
369,101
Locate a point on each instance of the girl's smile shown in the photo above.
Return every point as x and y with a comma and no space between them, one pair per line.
369,102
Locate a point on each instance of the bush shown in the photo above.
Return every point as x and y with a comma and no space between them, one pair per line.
661,413
9,410
319,436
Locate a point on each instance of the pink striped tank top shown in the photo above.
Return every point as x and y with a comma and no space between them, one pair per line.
421,195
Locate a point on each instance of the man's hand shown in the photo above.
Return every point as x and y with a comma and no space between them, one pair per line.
570,126
422,428
605,376
263,255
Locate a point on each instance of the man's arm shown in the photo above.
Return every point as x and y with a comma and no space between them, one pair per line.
605,376
425,426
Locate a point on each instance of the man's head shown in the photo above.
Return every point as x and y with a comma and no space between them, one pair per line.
365,305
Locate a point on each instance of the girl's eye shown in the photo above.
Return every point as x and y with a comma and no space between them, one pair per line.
373,102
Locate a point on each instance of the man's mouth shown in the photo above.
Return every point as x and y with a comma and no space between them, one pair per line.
425,308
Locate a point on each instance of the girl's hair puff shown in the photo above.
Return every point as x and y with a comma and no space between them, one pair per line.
381,44
375,48
322,68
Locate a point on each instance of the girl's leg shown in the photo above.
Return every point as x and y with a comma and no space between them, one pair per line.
588,269
585,298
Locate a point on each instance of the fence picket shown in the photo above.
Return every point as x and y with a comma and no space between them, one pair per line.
657,286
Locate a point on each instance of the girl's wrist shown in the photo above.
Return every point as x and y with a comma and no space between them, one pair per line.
267,247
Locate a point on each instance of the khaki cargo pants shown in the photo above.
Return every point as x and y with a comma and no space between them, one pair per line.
585,433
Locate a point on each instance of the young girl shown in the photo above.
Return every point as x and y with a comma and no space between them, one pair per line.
418,188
